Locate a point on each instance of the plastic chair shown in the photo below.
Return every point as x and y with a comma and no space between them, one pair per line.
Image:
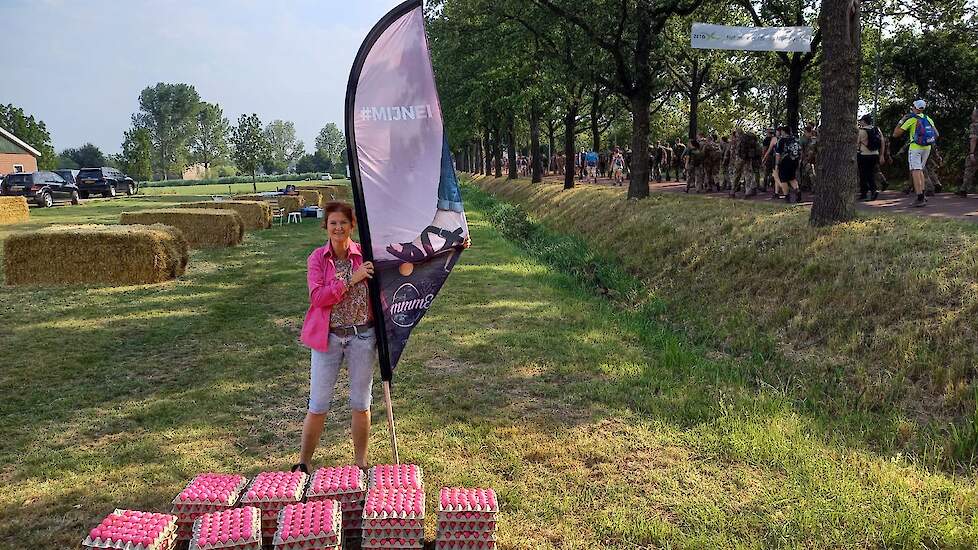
295,217
278,214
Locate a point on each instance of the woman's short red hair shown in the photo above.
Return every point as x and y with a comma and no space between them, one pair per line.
341,207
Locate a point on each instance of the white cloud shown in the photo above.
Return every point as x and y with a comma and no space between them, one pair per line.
287,60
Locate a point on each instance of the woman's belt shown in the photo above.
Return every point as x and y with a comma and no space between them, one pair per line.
346,332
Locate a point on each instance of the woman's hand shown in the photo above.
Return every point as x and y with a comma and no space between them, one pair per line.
365,271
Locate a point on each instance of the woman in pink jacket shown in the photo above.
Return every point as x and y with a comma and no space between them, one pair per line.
338,326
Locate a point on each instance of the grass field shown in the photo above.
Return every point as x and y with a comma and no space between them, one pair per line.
598,427
231,189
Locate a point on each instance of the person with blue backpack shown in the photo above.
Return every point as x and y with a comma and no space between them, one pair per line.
923,135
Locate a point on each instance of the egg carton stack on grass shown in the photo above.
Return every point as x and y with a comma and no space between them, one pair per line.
466,519
234,529
309,526
270,492
134,530
393,512
347,485
205,494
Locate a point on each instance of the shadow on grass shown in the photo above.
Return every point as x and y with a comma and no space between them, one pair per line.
116,397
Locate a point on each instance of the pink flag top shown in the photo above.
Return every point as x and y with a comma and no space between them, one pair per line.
409,207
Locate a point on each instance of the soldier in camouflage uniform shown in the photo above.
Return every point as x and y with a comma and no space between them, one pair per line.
971,157
713,157
667,160
695,176
679,158
725,162
806,171
656,153
746,155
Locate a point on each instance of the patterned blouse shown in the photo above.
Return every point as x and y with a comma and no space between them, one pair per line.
352,309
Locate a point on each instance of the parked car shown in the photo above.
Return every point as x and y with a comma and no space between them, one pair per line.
106,180
39,187
326,177
70,176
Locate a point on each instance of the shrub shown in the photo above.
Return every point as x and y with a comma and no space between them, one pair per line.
511,220
202,227
95,254
238,179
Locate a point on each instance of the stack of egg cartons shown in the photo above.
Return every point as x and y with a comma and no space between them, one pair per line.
206,493
309,526
466,519
393,512
234,529
347,485
134,530
270,492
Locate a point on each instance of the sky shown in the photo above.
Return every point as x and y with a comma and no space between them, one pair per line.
79,65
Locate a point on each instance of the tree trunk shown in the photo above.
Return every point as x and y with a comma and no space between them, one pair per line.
511,149
638,185
551,136
835,185
497,152
254,182
536,168
490,151
595,115
695,85
796,69
570,132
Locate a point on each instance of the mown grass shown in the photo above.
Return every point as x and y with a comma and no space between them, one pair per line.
873,317
598,426
232,188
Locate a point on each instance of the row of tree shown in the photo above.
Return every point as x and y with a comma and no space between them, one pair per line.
174,128
514,75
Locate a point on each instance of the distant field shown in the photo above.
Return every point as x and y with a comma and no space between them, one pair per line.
229,189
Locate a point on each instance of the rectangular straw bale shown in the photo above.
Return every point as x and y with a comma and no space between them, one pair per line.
255,214
312,197
95,254
291,203
202,227
14,210
333,192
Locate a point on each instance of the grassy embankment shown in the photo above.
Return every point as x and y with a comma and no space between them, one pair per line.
872,321
597,425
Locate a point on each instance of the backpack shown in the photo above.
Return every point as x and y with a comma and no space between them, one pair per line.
747,145
924,133
874,139
791,148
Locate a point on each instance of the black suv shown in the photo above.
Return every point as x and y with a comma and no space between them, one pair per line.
107,181
68,175
39,187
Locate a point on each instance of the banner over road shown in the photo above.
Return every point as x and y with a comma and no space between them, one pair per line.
757,39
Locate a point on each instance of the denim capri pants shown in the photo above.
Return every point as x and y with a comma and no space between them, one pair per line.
360,352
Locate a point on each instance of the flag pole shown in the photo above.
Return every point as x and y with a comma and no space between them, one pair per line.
353,164
390,420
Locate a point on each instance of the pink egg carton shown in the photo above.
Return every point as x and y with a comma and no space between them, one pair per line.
465,545
307,545
467,516
393,543
466,536
134,530
459,499
396,475
452,525
392,524
204,494
319,521
392,533
233,529
338,480
394,503
275,487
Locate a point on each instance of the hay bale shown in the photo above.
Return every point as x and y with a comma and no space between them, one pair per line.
332,193
312,197
14,210
95,254
255,214
291,203
201,226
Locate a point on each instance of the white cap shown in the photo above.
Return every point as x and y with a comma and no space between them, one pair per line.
920,104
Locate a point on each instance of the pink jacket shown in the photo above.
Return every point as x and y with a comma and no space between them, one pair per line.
325,290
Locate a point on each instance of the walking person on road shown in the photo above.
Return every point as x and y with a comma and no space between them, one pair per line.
788,155
923,135
870,144
970,159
